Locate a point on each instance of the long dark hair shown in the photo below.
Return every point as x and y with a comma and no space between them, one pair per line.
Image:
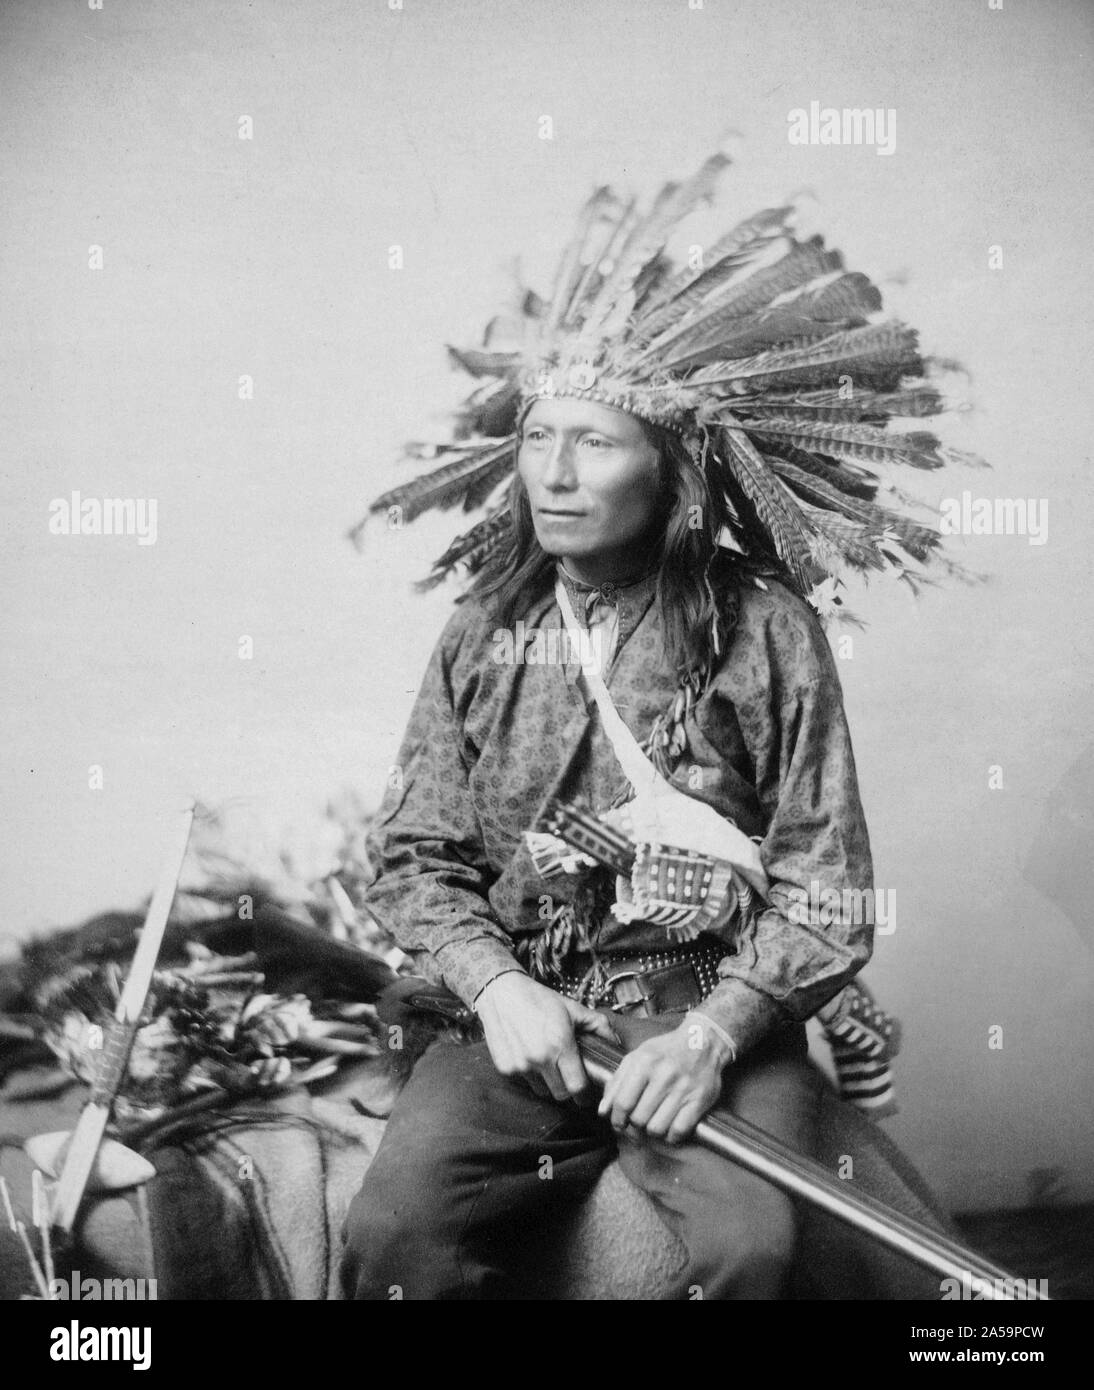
693,573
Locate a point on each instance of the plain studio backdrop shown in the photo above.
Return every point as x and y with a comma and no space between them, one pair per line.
420,127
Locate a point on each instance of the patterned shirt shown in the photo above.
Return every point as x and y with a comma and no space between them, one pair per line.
500,727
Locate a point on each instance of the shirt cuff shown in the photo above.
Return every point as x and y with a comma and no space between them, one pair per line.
469,966
798,966
743,1012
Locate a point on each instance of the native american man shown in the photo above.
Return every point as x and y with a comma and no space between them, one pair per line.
656,414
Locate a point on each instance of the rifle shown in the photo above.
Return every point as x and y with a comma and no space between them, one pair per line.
746,1144
740,1142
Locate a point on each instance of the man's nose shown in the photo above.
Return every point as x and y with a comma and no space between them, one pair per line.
558,470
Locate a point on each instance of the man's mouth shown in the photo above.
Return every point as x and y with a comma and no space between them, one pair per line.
558,511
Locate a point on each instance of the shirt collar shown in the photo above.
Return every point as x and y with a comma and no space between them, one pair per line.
629,600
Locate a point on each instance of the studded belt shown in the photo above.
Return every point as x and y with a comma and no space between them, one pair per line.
668,981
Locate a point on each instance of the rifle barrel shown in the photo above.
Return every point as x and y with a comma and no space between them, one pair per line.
740,1142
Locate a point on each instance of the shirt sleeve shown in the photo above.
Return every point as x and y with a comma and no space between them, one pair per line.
430,876
817,931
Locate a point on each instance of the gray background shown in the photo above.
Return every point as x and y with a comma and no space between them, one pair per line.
270,257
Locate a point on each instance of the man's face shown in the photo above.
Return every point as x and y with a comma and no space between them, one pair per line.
593,482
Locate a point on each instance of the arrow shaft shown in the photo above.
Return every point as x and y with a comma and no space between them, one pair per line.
91,1126
79,1161
139,979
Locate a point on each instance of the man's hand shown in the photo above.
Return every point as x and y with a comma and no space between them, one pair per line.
530,1032
666,1085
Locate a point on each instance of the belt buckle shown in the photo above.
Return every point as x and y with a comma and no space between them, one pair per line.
640,997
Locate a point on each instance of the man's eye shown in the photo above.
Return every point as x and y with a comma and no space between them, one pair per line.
596,442
533,437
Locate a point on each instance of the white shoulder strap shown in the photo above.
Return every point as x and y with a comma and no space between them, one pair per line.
641,773
722,839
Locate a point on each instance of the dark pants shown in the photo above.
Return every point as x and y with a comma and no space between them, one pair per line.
462,1173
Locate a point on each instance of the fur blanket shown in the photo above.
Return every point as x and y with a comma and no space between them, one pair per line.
250,1204
248,1201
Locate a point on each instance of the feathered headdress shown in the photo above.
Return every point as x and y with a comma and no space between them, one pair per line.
763,353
